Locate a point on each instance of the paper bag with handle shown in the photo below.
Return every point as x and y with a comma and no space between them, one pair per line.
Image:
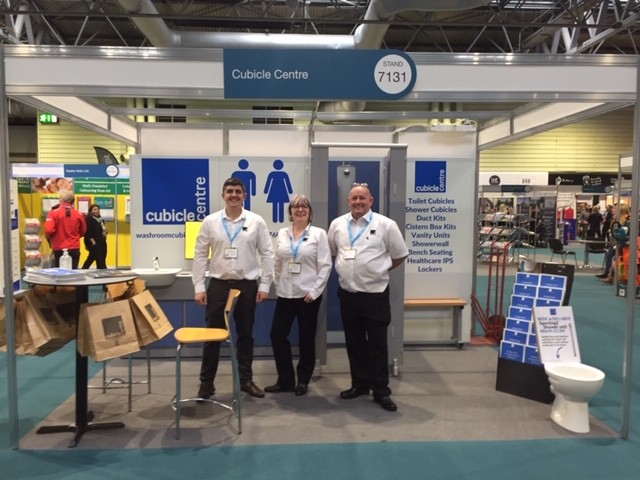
62,299
3,324
47,328
151,322
107,331
124,290
23,343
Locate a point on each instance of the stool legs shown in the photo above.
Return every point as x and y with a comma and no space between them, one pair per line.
117,382
237,393
235,407
178,401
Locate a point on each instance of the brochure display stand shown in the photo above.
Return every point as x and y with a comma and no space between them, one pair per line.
520,371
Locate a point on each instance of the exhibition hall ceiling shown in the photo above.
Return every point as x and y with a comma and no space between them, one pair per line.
504,26
564,27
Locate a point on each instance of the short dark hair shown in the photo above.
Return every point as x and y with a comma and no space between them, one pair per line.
233,182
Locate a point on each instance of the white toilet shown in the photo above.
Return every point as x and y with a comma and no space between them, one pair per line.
573,384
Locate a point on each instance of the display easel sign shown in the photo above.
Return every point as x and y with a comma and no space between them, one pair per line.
556,332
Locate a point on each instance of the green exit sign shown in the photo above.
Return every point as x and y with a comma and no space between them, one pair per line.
47,118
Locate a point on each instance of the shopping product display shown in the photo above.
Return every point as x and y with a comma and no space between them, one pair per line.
32,242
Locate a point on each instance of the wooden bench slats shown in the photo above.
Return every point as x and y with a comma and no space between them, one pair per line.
434,302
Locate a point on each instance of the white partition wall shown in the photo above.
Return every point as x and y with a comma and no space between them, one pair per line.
440,216
181,139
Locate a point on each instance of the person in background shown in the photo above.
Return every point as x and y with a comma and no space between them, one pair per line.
594,221
234,237
366,246
64,228
95,239
302,268
619,236
606,222
584,221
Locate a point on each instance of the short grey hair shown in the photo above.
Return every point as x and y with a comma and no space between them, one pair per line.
300,200
68,197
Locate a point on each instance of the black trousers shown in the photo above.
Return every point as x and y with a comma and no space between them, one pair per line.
98,254
74,253
217,294
366,317
287,309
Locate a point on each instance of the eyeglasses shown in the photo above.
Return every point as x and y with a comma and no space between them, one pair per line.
293,207
356,184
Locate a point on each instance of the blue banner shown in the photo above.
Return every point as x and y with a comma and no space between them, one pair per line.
91,171
174,190
318,74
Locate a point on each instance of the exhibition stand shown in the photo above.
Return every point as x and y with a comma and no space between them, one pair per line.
437,192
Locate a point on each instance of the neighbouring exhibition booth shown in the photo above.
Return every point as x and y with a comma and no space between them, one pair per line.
426,179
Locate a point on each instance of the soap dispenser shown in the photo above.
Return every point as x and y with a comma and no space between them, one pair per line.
65,260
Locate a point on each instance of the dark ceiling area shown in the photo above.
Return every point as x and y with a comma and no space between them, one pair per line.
504,26
564,27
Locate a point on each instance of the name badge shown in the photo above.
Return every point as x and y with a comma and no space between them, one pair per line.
349,254
295,267
230,252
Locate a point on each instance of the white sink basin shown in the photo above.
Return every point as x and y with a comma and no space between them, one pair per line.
163,277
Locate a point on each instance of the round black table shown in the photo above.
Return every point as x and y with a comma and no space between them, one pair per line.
83,416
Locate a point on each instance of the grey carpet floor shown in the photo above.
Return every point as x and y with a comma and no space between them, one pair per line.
442,395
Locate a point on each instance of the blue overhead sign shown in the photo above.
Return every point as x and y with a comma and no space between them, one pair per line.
317,74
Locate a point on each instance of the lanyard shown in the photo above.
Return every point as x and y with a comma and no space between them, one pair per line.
355,239
226,229
295,246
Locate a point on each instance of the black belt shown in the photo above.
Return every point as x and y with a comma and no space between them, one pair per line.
233,281
363,293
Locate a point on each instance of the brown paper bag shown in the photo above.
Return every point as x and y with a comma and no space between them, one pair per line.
151,322
124,290
25,320
25,341
110,330
24,344
3,324
46,327
64,301
83,338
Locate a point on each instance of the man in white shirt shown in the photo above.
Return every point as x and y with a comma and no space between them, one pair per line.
235,237
366,245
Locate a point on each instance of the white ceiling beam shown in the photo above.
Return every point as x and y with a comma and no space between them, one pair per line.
540,119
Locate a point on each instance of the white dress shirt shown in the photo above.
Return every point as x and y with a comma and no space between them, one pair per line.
314,257
248,234
376,239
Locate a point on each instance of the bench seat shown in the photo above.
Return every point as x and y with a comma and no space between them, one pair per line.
454,304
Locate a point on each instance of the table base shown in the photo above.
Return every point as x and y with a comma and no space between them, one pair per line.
79,431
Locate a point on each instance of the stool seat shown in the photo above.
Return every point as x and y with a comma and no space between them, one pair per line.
201,334
190,335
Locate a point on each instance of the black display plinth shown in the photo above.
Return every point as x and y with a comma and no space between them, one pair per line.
523,380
